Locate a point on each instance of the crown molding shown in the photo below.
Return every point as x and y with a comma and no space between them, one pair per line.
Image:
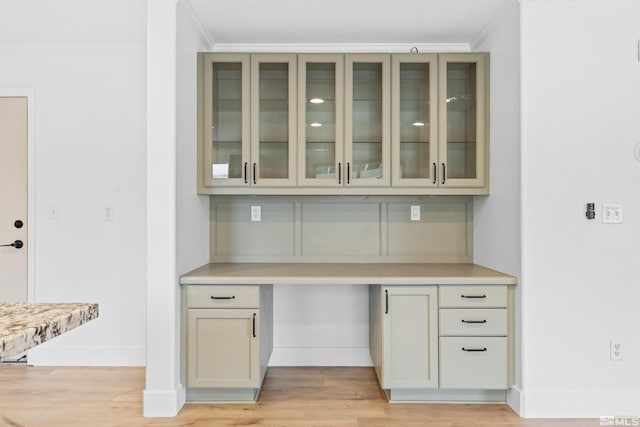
340,47
203,34
74,46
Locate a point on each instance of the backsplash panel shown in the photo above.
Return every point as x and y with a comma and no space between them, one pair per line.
341,229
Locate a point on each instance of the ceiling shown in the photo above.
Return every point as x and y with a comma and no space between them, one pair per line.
412,22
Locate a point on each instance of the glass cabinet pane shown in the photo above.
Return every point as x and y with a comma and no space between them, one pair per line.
226,120
367,121
273,121
461,102
415,121
414,117
320,121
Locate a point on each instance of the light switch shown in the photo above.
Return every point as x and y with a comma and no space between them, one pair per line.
256,214
415,212
612,214
107,213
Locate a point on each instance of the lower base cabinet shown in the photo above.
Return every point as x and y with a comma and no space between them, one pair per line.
427,342
229,341
442,342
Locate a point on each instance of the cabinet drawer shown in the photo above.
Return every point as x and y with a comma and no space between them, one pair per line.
210,296
475,363
473,321
473,296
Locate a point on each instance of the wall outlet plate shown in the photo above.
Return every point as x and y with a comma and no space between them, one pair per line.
256,214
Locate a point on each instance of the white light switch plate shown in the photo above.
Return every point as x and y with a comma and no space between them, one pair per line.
612,214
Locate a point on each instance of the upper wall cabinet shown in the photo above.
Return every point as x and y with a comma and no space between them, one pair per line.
343,120
343,124
248,120
438,121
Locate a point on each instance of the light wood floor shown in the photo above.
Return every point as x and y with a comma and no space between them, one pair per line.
291,397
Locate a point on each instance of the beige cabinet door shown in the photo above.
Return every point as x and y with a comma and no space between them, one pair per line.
321,160
410,337
462,129
273,120
225,139
367,120
223,348
414,110
13,199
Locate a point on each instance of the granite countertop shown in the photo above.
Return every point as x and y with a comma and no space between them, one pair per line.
25,325
347,273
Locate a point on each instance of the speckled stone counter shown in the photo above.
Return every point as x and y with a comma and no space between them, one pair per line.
23,325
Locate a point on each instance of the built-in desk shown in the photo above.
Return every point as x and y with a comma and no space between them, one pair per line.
321,273
438,332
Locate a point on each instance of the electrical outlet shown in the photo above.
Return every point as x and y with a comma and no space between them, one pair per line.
612,214
615,349
256,214
415,212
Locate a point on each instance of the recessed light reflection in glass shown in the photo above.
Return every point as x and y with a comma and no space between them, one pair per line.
316,100
315,124
418,123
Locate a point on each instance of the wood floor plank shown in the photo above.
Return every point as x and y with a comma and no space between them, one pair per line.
291,397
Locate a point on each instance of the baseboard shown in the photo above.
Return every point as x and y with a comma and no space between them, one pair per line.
514,396
163,403
579,404
344,356
49,355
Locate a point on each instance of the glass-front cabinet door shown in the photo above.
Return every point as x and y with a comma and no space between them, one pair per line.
226,120
414,120
462,129
273,130
249,135
367,120
320,120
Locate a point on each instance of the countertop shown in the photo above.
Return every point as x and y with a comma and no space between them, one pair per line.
25,325
345,274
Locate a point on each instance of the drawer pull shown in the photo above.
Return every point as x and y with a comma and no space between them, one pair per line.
232,297
474,321
474,349
473,296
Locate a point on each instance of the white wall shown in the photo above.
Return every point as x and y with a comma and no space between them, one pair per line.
496,218
580,286
86,68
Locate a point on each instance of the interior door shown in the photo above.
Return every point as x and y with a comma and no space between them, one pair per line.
13,199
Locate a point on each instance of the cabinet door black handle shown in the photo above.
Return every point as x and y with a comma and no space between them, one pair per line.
474,321
386,301
472,296
254,174
444,173
231,297
348,173
246,181
435,173
474,349
254,325
339,173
